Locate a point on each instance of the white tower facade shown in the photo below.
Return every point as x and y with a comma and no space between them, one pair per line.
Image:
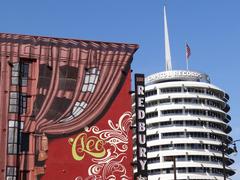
187,121
187,125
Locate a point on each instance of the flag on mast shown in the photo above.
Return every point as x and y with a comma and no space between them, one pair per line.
187,53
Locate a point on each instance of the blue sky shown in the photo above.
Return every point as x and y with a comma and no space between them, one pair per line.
211,28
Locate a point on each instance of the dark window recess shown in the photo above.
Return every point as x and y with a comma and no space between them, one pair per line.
173,135
24,71
68,78
166,147
24,141
153,160
152,137
151,103
152,114
45,75
154,171
179,146
198,170
217,171
178,123
162,101
197,146
197,134
171,90
172,112
23,103
38,104
166,123
150,92
194,90
168,158
154,148
57,108
153,125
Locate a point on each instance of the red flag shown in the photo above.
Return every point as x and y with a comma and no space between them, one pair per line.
188,51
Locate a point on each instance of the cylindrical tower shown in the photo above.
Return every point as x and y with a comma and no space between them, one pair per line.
187,122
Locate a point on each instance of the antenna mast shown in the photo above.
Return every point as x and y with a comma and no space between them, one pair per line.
168,60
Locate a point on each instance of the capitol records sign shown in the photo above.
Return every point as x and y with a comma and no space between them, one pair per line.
140,128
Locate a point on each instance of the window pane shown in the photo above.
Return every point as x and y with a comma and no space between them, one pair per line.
10,148
24,82
90,87
14,101
15,148
24,69
84,88
14,95
13,108
86,80
15,135
15,73
15,80
10,135
92,78
10,171
22,124
15,66
11,123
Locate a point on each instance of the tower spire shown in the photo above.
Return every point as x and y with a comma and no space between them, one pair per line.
168,60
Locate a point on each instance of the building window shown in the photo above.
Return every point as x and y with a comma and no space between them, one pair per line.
13,136
68,76
152,114
15,106
11,173
154,171
154,148
152,137
173,135
150,93
13,102
151,103
179,146
90,80
171,90
153,160
172,112
77,110
166,123
23,69
15,72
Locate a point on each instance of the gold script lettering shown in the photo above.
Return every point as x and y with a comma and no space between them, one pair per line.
91,145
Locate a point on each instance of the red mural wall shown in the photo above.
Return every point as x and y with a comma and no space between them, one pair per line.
104,151
68,102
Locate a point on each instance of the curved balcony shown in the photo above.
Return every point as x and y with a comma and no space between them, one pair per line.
227,119
227,129
226,97
226,108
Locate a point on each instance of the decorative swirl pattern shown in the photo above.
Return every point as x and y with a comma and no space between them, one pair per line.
107,167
